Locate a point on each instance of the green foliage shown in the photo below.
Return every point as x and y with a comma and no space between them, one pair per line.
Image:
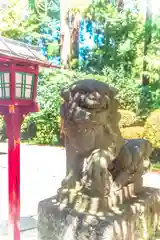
118,62
128,118
128,88
53,49
49,8
128,91
148,99
14,24
123,34
153,56
50,84
152,128
121,56
156,167
47,120
21,22
28,128
12,20
43,127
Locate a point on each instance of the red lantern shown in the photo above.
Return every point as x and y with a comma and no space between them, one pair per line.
19,69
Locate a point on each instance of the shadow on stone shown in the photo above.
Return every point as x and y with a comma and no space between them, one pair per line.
57,221
102,196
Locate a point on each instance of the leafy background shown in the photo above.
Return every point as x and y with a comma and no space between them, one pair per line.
112,41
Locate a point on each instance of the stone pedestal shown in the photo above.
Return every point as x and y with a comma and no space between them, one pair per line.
134,218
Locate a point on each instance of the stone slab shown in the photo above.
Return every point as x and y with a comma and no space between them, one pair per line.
81,202
136,218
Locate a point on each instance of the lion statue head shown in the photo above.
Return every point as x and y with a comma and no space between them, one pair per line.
91,117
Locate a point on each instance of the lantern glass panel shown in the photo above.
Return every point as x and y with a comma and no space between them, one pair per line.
4,85
18,85
24,85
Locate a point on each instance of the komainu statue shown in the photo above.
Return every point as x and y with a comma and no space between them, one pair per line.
99,161
102,196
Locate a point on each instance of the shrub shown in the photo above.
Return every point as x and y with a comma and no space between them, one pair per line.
28,128
43,127
148,99
46,122
155,156
50,84
128,88
132,132
152,128
128,118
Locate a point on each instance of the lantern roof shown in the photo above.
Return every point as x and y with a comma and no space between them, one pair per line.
12,50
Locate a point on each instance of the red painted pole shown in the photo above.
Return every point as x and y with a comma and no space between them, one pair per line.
13,130
14,116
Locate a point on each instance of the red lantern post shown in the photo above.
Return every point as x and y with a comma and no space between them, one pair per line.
19,69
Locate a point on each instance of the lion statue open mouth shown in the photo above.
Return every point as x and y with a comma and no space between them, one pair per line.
99,160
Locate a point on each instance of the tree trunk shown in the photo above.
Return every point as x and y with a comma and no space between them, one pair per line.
65,40
75,35
70,38
120,5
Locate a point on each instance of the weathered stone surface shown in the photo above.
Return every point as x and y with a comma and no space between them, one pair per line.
132,161
137,218
96,205
99,160
98,198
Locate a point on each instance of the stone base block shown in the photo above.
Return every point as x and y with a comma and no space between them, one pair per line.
137,218
83,203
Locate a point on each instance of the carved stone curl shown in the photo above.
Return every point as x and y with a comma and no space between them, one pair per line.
99,160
